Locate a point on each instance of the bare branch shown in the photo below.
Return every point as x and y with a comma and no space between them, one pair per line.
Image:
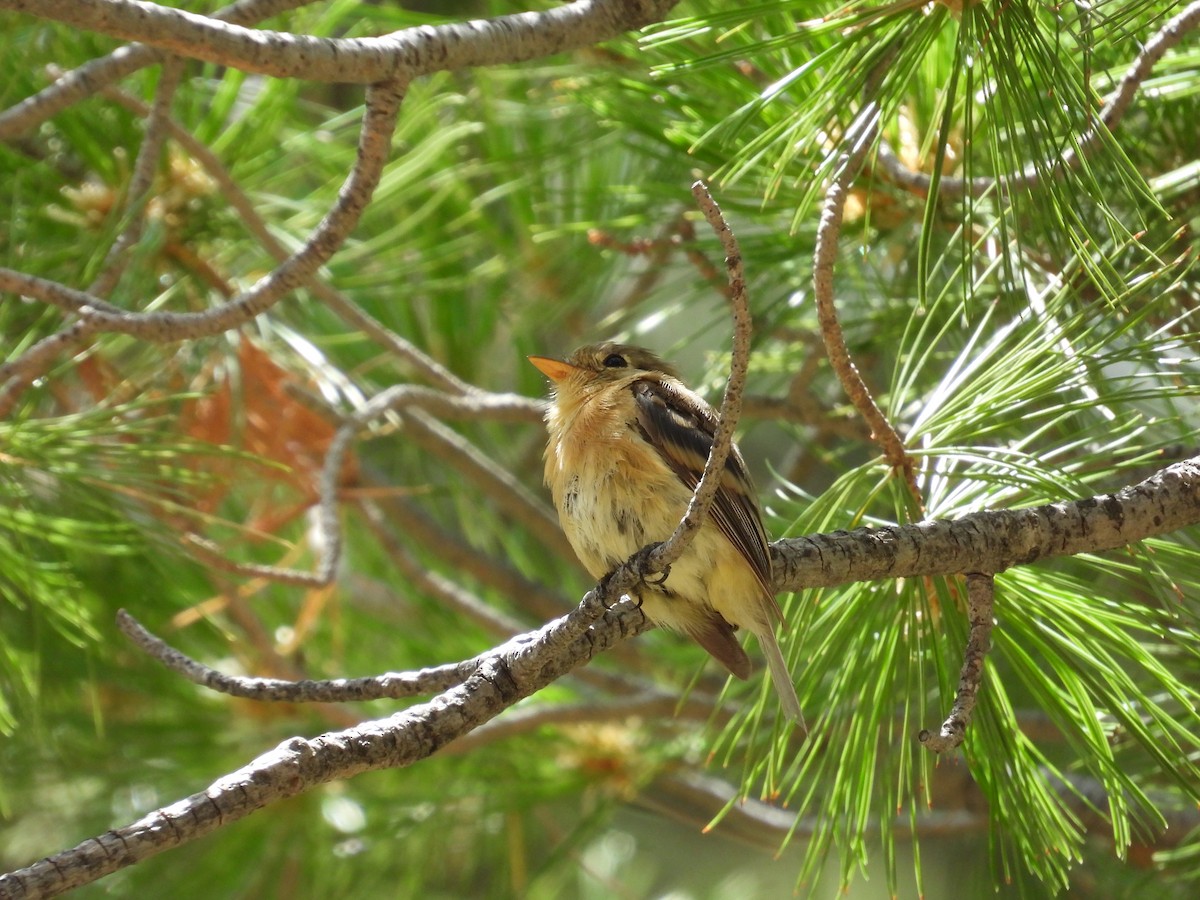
731,402
474,404
400,56
388,686
671,549
858,140
994,540
980,591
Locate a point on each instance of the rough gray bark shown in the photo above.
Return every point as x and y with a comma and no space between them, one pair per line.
994,540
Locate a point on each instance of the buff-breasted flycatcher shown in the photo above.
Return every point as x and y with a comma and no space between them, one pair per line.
628,443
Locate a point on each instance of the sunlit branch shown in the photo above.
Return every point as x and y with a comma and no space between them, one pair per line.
980,591
859,138
662,556
400,56
388,686
994,540
82,82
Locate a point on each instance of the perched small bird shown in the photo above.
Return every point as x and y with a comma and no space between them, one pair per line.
628,443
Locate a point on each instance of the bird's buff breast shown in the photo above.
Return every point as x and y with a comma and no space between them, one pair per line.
615,494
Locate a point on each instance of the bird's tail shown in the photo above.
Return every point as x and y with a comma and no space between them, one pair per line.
780,675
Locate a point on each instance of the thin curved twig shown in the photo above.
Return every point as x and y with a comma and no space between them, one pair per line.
859,138
980,591
388,686
671,549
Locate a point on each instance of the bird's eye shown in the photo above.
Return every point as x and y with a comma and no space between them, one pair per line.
615,361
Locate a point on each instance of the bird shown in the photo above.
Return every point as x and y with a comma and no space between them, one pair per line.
627,445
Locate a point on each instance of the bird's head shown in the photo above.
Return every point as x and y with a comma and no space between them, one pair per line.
599,364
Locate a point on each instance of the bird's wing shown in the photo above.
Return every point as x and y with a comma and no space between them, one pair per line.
716,636
681,426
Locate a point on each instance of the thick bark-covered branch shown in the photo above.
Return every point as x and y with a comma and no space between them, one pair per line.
991,541
507,674
994,540
94,75
399,56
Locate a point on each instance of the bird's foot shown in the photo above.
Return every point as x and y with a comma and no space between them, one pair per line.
641,562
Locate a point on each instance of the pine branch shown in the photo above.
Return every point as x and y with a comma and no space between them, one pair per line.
995,540
401,56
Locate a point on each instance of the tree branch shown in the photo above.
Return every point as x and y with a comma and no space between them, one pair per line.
666,553
504,675
980,592
388,686
994,540
859,138
400,56
731,402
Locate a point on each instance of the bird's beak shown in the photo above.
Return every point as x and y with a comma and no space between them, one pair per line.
554,369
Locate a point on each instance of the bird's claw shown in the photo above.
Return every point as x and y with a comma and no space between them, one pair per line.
637,564
658,579
641,561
